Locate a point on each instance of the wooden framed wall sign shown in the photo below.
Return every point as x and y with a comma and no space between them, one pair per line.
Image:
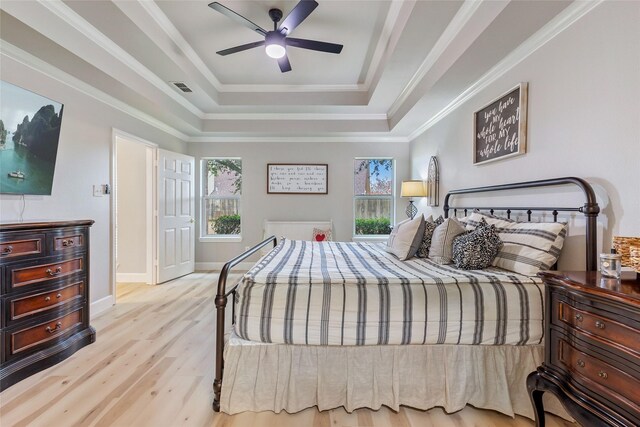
500,128
299,178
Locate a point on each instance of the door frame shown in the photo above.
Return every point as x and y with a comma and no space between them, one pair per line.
152,200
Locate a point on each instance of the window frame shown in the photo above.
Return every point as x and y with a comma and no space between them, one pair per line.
392,197
203,205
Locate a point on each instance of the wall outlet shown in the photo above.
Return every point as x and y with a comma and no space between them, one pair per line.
98,190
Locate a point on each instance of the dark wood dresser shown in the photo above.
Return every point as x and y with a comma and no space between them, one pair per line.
592,349
44,300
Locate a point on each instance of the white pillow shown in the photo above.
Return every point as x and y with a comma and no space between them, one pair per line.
441,250
528,246
405,238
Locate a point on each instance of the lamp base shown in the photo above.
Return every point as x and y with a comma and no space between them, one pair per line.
411,210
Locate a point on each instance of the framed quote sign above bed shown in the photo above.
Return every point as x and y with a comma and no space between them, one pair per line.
500,128
301,178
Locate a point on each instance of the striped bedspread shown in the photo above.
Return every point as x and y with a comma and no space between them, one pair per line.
338,293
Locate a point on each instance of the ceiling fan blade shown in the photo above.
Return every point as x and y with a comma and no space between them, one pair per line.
314,45
237,17
297,15
284,64
240,48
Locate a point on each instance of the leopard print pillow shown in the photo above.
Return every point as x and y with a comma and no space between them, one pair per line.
423,250
476,250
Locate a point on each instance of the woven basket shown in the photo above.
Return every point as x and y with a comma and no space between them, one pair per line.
629,249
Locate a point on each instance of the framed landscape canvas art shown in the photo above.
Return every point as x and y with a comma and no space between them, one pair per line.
29,135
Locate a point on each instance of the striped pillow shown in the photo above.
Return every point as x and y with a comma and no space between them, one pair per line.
441,249
528,246
405,238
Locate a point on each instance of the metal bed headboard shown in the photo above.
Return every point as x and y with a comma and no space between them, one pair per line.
590,209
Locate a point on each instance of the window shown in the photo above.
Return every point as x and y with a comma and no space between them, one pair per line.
221,191
373,205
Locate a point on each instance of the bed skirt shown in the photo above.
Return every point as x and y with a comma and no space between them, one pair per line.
277,377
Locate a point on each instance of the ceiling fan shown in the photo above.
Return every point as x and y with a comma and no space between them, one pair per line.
276,41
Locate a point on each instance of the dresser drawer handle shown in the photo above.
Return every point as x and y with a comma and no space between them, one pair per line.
52,330
579,317
603,375
67,242
55,272
7,250
580,363
599,324
48,298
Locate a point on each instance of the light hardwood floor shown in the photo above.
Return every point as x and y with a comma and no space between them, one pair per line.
152,365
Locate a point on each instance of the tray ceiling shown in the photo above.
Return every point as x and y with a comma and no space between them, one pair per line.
402,62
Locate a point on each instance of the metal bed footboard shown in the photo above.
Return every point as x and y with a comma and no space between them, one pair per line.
222,296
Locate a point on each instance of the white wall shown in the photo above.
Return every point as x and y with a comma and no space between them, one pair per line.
584,121
131,186
257,205
84,159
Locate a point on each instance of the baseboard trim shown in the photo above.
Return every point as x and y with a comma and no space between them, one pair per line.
212,266
101,305
132,278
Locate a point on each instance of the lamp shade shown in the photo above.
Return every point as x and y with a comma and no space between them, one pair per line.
413,188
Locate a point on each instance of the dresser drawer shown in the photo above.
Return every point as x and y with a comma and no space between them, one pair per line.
24,306
615,333
24,339
598,376
67,240
20,276
18,245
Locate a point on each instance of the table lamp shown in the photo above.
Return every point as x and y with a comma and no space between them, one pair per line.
412,188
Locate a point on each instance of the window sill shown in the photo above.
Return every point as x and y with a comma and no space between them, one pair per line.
371,238
220,239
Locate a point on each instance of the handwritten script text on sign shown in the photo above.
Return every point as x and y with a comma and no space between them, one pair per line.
497,127
297,179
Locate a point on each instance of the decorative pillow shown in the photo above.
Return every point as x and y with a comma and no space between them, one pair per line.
441,249
320,235
405,238
473,220
464,221
477,249
429,227
528,247
439,220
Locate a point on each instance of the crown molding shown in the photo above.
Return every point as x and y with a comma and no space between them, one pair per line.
455,27
302,139
557,25
389,35
65,13
242,88
15,53
295,116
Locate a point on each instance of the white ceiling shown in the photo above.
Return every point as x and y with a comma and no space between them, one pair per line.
403,62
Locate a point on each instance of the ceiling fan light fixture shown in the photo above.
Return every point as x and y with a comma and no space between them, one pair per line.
274,45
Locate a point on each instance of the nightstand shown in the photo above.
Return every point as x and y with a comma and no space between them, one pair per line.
592,349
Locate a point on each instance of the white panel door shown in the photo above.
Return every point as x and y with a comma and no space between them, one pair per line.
176,224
